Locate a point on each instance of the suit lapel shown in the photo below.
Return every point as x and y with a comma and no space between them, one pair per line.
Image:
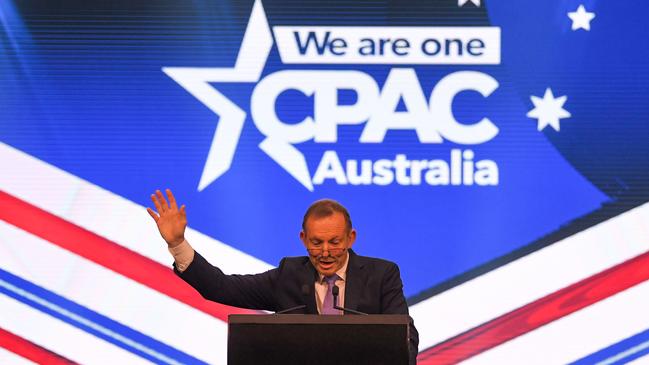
308,277
355,281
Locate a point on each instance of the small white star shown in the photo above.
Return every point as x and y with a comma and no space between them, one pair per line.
474,2
581,18
548,110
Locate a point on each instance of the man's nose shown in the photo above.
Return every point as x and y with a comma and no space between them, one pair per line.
325,248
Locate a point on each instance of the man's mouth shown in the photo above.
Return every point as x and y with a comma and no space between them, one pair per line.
326,264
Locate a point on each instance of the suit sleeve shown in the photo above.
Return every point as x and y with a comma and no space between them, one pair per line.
394,302
245,291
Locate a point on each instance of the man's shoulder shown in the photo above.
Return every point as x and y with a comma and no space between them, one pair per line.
293,261
376,262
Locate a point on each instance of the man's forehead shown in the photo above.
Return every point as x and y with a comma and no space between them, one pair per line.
333,224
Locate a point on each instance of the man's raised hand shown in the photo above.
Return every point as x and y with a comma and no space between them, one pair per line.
171,221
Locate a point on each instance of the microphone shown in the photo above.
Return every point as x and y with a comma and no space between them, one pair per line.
335,291
291,309
305,292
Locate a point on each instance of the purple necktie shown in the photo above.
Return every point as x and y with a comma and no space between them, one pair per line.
328,303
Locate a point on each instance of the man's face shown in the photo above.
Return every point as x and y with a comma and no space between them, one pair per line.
327,241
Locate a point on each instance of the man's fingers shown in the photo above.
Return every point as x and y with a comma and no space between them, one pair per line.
182,209
155,201
163,202
152,214
172,200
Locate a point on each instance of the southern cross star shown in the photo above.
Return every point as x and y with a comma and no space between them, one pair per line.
548,110
474,2
581,18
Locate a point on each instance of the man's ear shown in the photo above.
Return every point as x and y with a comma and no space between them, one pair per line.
303,238
352,237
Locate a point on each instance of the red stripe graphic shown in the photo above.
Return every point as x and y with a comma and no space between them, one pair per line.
108,254
29,350
539,313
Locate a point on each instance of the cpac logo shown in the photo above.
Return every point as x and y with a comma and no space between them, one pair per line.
432,119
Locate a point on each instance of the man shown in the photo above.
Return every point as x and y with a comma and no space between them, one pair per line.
368,285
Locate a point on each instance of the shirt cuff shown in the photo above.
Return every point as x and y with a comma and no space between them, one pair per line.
183,255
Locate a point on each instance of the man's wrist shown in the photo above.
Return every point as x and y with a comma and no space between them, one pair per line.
183,255
176,243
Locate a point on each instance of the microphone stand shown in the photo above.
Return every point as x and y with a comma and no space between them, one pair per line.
335,292
305,293
291,309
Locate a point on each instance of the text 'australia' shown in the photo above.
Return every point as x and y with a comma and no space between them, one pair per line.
459,169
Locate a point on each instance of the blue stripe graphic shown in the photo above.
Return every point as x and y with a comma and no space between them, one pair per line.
622,352
92,322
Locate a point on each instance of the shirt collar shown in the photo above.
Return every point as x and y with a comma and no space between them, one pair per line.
342,272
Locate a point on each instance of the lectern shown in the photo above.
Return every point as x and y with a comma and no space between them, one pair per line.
315,339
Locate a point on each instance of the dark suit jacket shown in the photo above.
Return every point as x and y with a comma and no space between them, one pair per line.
372,286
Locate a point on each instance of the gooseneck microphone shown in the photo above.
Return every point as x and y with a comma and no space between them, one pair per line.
335,292
291,309
305,292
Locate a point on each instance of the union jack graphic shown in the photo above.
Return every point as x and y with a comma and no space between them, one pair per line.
75,289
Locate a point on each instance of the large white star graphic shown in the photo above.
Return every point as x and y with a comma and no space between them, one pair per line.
248,67
581,18
255,48
548,110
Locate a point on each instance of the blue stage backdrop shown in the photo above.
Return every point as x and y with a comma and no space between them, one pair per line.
498,151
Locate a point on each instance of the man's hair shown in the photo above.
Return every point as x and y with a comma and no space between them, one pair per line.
324,208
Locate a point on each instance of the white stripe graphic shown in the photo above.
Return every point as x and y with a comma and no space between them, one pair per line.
60,337
577,335
633,350
642,360
115,296
107,214
85,322
532,277
470,304
9,358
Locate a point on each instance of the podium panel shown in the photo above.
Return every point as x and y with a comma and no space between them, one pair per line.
316,339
